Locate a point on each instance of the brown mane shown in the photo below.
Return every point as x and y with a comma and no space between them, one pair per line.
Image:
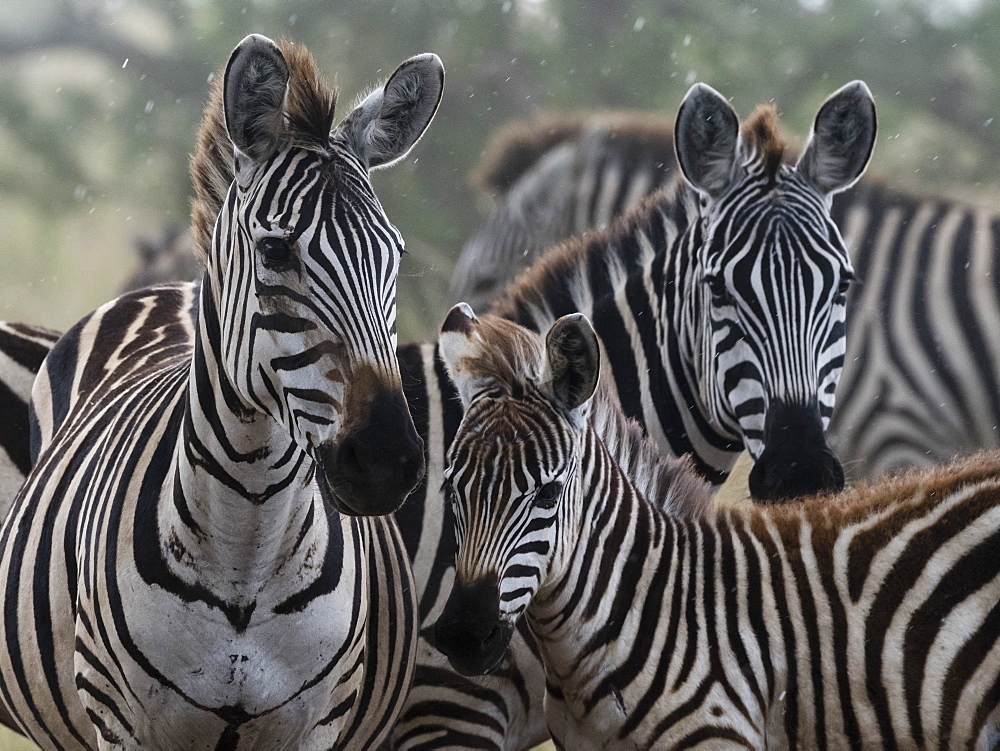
516,148
762,137
309,107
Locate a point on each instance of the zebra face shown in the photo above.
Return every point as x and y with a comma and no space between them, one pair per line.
510,470
769,278
304,270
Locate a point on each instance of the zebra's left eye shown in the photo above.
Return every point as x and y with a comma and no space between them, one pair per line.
845,284
276,251
717,286
548,494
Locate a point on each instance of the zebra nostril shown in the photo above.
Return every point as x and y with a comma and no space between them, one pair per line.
492,637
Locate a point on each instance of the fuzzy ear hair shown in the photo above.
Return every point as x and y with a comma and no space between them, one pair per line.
573,359
254,95
455,343
842,139
706,139
390,120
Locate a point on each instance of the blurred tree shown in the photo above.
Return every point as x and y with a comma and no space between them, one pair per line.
99,99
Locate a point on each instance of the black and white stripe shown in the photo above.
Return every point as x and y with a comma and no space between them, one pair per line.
647,286
862,621
919,384
194,561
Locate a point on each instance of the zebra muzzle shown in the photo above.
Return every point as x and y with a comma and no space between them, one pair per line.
469,632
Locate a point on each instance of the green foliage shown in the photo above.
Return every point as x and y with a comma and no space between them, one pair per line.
83,130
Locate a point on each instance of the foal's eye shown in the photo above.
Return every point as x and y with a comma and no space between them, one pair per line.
548,494
845,284
276,251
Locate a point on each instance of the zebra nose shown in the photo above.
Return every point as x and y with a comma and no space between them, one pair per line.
469,632
378,464
796,460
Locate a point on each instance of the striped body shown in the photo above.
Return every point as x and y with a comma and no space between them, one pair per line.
201,555
162,652
919,384
22,349
868,620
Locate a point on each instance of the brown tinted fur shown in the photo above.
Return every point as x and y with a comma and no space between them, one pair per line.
907,495
761,135
510,357
517,147
310,106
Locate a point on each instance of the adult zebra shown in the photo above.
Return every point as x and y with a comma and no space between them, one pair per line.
920,377
194,561
864,621
675,290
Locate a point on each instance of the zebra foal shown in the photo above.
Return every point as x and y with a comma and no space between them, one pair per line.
867,620
198,558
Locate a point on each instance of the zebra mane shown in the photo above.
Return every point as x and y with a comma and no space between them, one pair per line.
553,283
310,105
761,140
516,148
668,482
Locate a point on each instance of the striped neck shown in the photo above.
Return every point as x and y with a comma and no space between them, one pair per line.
239,501
649,309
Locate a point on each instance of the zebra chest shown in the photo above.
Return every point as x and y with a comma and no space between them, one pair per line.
269,668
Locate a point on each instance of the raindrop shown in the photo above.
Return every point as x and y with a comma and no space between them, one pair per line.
988,121
507,4
292,19
687,40
639,23
125,63
149,106
80,192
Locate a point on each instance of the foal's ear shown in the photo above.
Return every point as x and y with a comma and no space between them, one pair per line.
455,343
253,96
573,359
843,136
390,120
707,139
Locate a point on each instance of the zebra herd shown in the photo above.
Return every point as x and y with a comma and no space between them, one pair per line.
206,543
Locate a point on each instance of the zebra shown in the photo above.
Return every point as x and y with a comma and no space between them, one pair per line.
661,286
869,620
636,280
919,385
200,556
558,177
23,347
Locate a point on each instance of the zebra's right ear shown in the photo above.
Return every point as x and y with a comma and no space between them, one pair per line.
842,139
706,139
253,96
455,343
573,360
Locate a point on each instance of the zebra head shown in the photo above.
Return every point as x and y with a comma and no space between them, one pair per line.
511,469
768,277
303,264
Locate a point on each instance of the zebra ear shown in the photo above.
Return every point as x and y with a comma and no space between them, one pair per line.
388,122
454,343
573,358
843,136
253,96
706,139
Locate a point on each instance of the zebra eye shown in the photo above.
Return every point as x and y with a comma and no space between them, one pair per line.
548,494
717,286
845,284
276,251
